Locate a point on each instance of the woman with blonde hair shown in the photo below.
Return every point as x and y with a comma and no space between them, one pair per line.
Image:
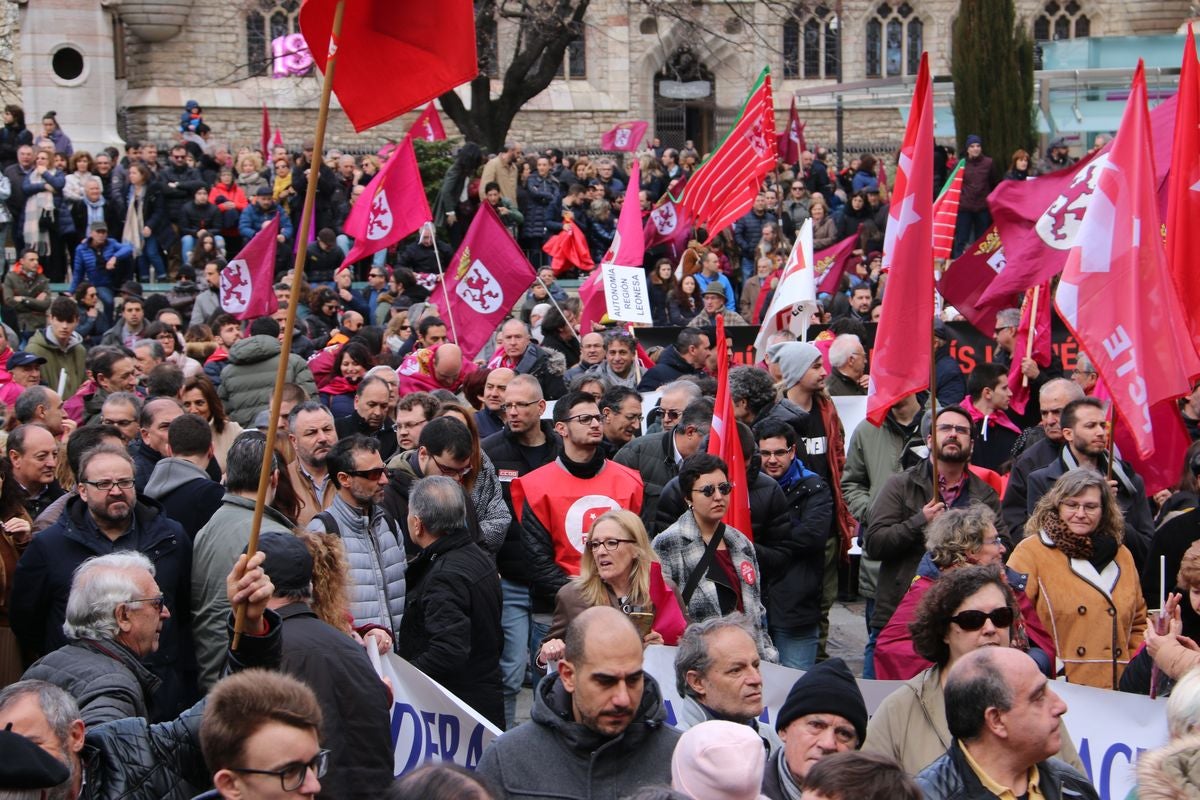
618,569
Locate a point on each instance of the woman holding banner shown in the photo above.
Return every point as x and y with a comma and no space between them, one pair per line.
619,569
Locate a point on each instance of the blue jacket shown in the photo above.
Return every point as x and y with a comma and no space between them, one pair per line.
253,218
89,268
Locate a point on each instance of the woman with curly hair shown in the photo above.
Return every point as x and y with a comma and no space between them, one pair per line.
967,608
1082,579
200,398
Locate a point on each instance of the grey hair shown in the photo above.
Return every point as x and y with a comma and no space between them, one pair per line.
1073,390
128,398
155,347
116,451
752,385
22,794
28,401
57,706
301,408
1084,364
100,585
957,533
88,181
692,653
1183,707
843,348
1008,318
439,503
690,388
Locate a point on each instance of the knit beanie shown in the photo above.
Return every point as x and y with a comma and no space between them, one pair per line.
794,359
719,760
827,688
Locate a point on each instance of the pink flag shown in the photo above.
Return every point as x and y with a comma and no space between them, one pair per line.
1183,188
278,140
591,295
428,126
247,281
628,250
488,276
625,137
791,141
392,207
1116,293
266,132
1035,326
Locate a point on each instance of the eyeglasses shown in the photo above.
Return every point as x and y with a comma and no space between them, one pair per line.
1072,506
156,603
817,727
725,489
451,472
120,423
517,405
586,419
291,776
376,275
995,541
671,414
608,544
106,485
406,327
629,417
775,453
961,430
973,620
372,474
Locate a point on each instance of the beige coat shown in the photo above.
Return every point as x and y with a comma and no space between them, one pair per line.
1097,619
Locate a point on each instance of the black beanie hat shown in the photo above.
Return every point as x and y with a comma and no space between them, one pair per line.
827,688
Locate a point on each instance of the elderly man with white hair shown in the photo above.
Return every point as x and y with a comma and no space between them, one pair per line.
848,358
114,617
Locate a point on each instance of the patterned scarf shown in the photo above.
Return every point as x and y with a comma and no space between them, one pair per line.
1098,548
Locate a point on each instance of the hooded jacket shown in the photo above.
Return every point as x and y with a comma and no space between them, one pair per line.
248,380
186,492
69,359
555,757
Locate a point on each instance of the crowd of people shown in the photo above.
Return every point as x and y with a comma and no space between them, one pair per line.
516,519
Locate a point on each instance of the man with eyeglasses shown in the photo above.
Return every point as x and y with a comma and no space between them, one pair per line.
657,456
674,397
557,504
373,540
105,517
908,502
848,358
1085,434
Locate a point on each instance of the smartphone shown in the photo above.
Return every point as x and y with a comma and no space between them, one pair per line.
643,620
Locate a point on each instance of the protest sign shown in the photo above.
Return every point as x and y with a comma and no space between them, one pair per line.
625,293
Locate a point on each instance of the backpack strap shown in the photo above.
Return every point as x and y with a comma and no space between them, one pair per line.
329,523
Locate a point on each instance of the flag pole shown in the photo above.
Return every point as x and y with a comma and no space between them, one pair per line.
1112,429
554,303
310,197
1031,334
933,406
442,275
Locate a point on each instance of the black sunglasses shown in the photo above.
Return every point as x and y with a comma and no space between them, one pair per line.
372,474
973,620
726,489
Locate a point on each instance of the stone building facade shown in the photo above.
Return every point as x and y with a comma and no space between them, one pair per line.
684,65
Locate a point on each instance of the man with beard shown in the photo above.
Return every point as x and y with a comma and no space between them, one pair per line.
104,518
621,408
312,432
908,502
370,418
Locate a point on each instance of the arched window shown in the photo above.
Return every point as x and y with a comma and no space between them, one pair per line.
811,46
1061,21
895,39
576,57
273,40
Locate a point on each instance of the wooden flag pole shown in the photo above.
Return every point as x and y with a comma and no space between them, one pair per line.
442,278
310,198
1112,429
1032,334
933,405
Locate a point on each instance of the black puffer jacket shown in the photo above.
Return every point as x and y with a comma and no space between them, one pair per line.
653,456
106,679
793,568
670,367
536,362
951,778
451,628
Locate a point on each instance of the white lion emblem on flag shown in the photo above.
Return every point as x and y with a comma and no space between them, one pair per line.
235,286
622,137
379,221
664,218
757,138
480,289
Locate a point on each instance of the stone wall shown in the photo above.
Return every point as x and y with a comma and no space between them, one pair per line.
10,33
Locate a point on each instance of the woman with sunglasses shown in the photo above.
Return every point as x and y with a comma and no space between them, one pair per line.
1082,579
713,563
960,537
967,608
620,569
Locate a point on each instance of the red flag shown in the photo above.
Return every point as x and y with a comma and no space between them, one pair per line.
428,126
791,143
669,223
724,187
624,136
945,213
1116,293
392,59
832,262
901,362
392,206
247,281
266,134
643,357
1183,190
1035,326
278,140
723,441
881,174
488,276
569,248
968,278
591,295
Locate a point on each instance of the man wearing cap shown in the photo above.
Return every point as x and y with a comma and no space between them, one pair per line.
27,291
26,371
978,180
710,271
1057,157
25,766
715,301
354,701
256,215
823,714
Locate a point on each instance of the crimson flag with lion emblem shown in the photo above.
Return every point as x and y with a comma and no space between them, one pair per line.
392,206
247,283
487,277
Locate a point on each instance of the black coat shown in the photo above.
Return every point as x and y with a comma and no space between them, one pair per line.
114,216
670,367
653,456
385,436
420,258
451,629
354,702
192,504
951,778
793,567
1171,541
187,180
194,218
1012,507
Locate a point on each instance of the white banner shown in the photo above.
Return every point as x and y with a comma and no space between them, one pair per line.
1109,728
626,294
852,410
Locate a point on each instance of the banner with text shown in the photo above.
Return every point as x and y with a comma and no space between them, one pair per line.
626,294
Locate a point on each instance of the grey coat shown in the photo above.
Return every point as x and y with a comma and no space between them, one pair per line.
248,381
106,679
375,553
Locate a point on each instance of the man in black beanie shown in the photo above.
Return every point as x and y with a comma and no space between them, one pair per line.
823,714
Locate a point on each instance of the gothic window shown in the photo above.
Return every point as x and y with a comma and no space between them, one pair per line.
811,47
1059,20
273,41
895,40
576,58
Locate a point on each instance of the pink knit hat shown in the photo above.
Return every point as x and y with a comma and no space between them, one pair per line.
719,760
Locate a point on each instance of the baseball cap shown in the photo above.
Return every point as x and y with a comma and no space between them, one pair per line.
23,359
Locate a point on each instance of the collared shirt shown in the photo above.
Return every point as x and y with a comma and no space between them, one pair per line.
950,493
318,486
1033,790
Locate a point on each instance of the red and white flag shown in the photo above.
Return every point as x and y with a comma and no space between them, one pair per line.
723,441
945,213
795,297
901,361
1035,324
392,206
969,276
247,282
724,187
428,126
625,137
791,143
488,276
1183,190
669,223
832,262
1116,293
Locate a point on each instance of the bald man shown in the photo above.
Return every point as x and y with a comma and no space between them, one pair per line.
600,713
490,418
433,368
